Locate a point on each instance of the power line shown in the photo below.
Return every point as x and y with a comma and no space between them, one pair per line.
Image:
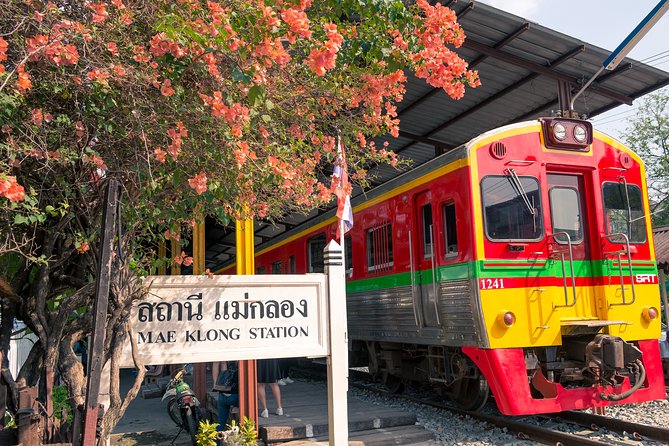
654,55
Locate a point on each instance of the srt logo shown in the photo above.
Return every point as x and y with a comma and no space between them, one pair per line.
645,278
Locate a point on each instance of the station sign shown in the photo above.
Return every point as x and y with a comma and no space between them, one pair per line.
189,319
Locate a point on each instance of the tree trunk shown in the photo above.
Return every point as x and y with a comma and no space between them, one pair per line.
72,370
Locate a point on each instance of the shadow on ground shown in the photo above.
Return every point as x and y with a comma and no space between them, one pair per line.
149,439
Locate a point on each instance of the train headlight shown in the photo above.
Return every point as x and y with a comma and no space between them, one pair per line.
650,313
506,318
566,134
580,134
559,131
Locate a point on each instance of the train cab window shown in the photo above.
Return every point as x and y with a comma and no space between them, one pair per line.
623,211
292,265
315,247
512,208
450,231
426,222
260,270
277,267
349,256
566,214
380,248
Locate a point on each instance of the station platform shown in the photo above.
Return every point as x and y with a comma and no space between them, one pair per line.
305,417
305,421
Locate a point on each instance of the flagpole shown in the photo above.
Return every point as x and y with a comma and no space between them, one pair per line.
341,220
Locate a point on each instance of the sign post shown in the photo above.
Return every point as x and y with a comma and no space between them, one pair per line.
337,362
102,284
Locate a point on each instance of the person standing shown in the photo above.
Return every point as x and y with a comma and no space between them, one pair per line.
227,384
284,368
268,373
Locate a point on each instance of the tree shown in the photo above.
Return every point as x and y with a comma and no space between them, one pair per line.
648,135
226,109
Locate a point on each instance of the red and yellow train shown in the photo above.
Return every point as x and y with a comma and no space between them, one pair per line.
520,263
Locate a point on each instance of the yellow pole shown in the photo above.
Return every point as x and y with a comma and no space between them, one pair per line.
198,249
200,369
162,253
248,377
175,248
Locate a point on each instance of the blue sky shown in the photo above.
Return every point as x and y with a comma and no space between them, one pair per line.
604,23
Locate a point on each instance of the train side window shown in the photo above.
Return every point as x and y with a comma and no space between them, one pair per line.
380,248
450,231
512,208
426,222
277,267
623,211
349,256
292,265
566,214
315,247
260,270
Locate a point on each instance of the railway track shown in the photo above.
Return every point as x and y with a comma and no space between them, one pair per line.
636,431
531,429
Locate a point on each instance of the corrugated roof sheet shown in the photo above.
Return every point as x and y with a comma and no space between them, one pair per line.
661,240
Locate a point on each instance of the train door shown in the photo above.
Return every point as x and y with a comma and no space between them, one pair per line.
423,263
571,238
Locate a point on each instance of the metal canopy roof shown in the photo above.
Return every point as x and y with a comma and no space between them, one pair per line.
520,64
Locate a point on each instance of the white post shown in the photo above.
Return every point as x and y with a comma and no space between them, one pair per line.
338,359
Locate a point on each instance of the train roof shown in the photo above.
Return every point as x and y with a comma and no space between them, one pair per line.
520,63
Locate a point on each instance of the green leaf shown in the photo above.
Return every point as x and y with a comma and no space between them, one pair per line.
20,219
240,76
255,94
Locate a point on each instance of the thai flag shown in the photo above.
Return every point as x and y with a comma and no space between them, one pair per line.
343,193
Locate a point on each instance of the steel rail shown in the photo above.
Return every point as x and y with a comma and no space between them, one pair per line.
635,430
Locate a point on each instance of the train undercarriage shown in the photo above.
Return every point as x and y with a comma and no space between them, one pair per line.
608,367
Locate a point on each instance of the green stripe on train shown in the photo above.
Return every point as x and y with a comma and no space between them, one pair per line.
500,269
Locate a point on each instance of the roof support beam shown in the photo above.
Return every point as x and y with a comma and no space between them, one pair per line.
553,103
540,69
423,139
468,8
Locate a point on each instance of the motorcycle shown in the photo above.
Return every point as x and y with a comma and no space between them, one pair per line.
182,405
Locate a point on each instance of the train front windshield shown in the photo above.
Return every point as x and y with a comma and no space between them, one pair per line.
623,211
512,208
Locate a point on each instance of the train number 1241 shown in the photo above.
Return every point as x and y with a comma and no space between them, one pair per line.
492,284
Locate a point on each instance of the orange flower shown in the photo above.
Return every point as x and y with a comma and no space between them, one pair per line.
160,154
37,116
119,70
3,49
297,22
100,12
10,189
166,89
111,46
199,183
83,247
23,83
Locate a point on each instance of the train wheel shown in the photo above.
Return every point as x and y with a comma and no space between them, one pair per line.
393,383
470,393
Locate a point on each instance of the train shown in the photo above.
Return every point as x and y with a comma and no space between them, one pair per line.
520,263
